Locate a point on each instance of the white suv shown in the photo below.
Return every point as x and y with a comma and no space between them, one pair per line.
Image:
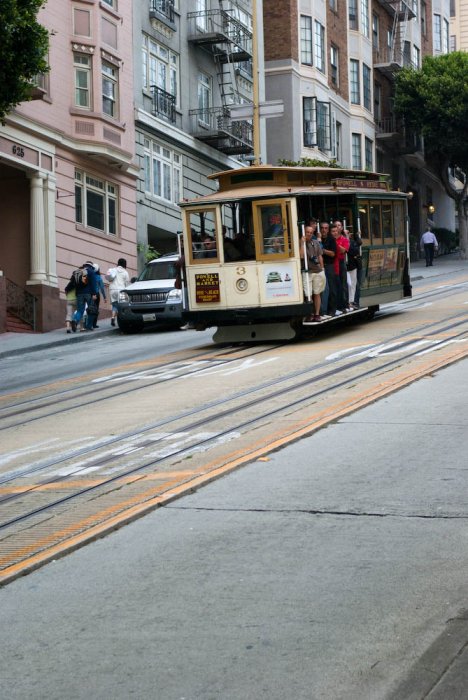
152,298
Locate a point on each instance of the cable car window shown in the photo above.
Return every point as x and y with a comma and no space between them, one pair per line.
363,211
201,228
399,221
387,222
375,224
271,229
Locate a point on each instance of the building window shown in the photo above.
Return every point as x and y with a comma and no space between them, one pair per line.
334,65
309,121
368,148
160,67
366,87
323,126
356,151
375,31
416,57
365,17
437,33
377,101
338,142
81,22
205,98
306,40
83,80
352,14
319,46
407,56
111,3
355,88
423,18
96,203
445,36
163,172
453,42
110,90
316,118
201,9
333,4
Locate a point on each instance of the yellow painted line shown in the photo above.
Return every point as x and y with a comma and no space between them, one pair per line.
89,483
133,508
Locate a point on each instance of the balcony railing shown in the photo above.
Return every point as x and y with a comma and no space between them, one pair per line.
163,104
215,127
162,8
217,27
21,303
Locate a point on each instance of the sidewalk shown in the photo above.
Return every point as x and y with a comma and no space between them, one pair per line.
20,343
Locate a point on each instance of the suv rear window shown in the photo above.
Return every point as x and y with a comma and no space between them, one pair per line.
159,271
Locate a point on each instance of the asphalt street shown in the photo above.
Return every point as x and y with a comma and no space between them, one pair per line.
336,569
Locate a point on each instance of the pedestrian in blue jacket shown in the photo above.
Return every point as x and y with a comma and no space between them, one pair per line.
86,293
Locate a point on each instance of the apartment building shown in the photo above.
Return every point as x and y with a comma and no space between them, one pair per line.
67,167
193,61
334,64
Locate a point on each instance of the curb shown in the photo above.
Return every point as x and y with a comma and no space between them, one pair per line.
80,338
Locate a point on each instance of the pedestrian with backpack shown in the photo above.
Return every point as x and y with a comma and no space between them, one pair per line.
86,293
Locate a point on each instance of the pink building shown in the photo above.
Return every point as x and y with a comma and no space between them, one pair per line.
67,165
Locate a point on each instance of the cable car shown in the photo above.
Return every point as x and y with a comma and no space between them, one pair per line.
241,246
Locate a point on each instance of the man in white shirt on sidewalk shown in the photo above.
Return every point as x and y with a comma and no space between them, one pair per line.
429,241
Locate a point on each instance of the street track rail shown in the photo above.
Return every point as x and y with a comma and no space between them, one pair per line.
21,511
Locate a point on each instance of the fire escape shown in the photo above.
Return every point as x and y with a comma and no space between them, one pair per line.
390,131
229,42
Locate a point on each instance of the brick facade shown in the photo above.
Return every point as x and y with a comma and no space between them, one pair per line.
281,30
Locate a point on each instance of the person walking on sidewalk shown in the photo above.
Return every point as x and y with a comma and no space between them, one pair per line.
118,279
86,292
101,292
429,241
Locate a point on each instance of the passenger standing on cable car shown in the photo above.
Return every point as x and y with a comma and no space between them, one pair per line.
313,275
329,253
342,242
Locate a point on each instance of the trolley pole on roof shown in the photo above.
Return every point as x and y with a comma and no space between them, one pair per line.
256,88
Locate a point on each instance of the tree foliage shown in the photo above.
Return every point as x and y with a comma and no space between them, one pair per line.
434,102
23,51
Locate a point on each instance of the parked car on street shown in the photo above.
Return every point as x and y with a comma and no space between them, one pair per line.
152,298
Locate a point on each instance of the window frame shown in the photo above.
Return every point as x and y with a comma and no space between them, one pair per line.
354,82
285,206
334,65
353,19
204,90
319,46
364,11
110,77
86,185
368,154
84,69
367,87
306,40
356,151
170,172
437,32
152,58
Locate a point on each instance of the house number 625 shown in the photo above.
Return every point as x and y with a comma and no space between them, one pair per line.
18,151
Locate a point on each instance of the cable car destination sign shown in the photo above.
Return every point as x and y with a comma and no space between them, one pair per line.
207,288
360,184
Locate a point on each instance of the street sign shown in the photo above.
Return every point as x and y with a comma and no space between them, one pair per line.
273,108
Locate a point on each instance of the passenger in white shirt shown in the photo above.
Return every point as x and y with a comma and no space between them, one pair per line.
429,241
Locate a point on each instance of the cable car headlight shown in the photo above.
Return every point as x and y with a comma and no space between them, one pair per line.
242,285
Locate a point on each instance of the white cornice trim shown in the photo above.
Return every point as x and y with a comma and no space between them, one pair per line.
49,139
